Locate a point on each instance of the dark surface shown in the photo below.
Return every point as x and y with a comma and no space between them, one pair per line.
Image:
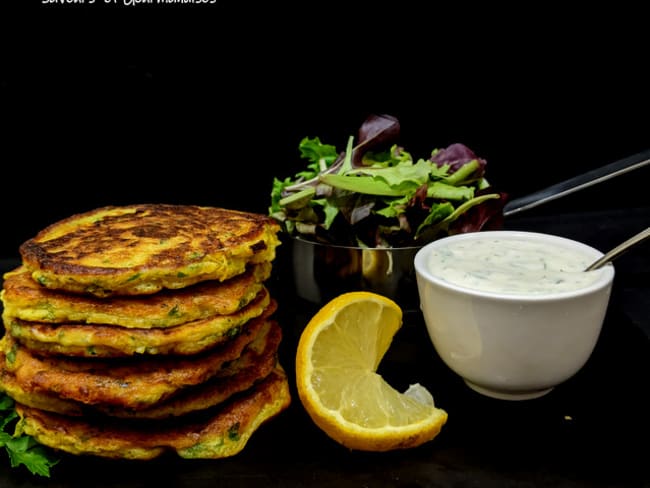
589,431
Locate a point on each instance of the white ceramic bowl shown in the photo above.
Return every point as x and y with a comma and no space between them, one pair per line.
511,344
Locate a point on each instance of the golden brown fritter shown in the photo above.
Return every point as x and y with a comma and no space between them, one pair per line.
25,299
211,434
105,341
141,249
137,330
43,401
256,362
130,383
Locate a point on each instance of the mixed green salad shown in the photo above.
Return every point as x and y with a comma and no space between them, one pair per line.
375,194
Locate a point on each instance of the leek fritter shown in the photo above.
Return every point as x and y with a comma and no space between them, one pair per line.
211,434
86,340
130,383
25,299
43,401
256,362
141,249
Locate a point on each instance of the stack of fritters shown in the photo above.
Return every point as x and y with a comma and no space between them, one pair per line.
131,331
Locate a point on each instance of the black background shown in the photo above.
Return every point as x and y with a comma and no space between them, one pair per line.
110,104
117,104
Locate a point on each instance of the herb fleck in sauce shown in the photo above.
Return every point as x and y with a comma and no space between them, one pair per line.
512,266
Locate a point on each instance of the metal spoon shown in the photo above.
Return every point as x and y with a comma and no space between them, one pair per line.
620,249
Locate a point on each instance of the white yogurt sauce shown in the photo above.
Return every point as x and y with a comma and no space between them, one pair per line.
511,266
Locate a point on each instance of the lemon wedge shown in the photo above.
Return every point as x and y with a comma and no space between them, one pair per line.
336,362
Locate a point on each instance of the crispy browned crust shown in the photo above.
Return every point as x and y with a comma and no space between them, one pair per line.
109,341
256,362
140,249
25,299
209,434
50,403
130,383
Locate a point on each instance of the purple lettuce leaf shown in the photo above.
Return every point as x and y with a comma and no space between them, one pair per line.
456,155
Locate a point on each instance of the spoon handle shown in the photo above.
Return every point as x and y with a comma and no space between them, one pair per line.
620,249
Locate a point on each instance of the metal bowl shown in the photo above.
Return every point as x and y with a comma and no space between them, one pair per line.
323,271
